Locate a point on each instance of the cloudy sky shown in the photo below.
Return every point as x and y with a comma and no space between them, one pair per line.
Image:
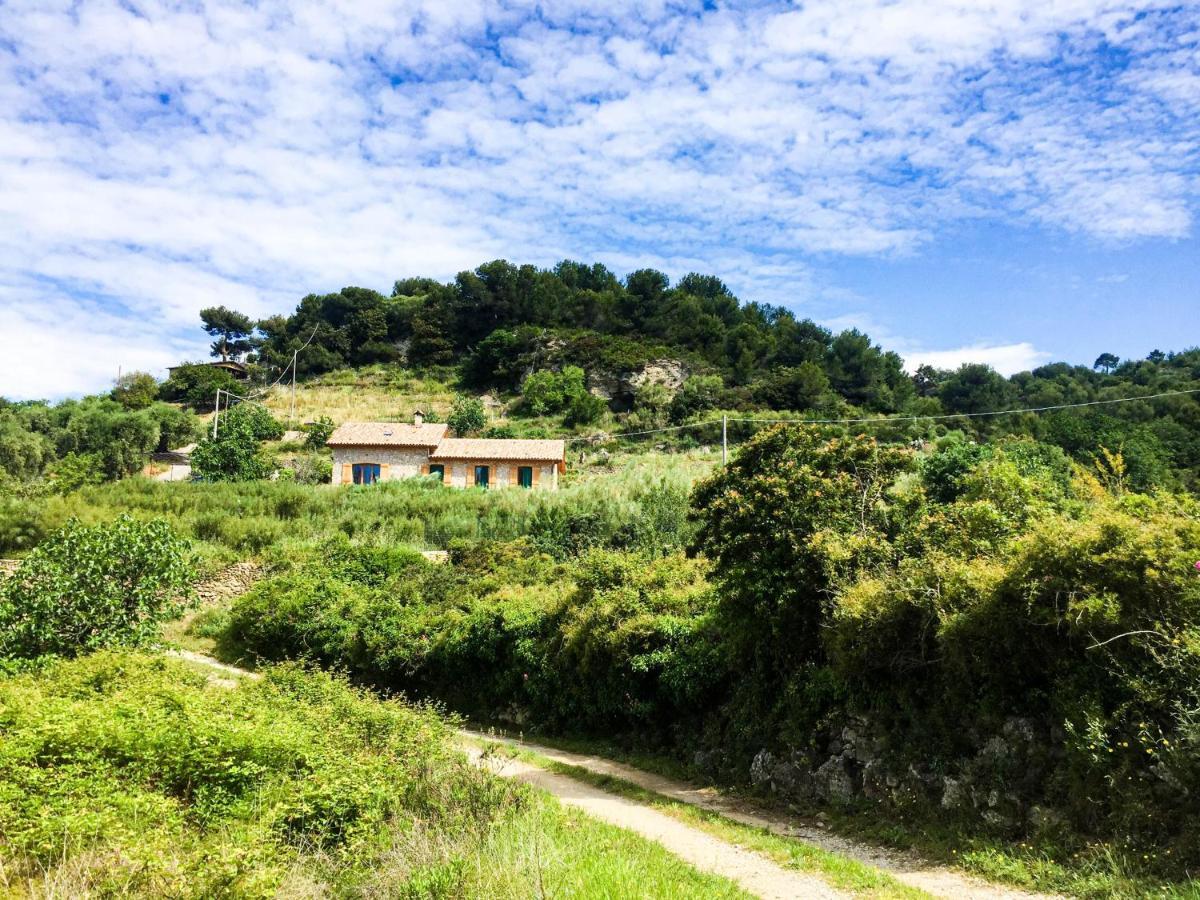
1007,181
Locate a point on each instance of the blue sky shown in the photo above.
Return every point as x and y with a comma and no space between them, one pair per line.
1003,181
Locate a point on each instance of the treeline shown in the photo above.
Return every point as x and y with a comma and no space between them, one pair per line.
501,323
100,438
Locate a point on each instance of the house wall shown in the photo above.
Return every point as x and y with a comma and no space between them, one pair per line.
402,462
461,473
406,462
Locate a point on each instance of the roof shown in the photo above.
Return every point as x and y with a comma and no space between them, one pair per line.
500,448
387,434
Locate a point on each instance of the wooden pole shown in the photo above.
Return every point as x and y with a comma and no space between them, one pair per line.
293,416
724,439
216,413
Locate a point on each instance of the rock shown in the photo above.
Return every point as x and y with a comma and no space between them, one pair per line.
997,820
833,781
956,794
671,373
761,768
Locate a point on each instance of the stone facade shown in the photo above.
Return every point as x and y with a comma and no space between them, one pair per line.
408,462
400,462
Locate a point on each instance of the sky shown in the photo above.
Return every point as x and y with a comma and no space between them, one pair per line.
1005,181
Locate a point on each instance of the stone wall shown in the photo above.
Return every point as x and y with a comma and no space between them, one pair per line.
402,462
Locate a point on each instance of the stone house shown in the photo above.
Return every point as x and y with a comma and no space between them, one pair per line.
367,452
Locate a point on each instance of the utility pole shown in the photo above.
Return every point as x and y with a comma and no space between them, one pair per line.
295,353
216,413
724,439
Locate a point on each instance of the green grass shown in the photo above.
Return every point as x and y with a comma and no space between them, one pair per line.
133,775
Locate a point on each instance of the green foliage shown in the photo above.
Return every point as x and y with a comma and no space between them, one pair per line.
231,329
796,515
87,588
262,424
566,391
195,385
467,416
317,432
135,390
132,775
233,455
698,394
75,470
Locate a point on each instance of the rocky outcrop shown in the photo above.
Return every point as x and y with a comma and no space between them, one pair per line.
999,785
619,388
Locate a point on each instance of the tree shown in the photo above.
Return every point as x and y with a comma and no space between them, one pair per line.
89,587
467,416
232,456
974,388
135,390
1106,362
317,432
196,385
794,515
231,329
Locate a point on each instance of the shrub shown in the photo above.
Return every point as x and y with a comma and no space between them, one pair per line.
467,416
262,424
85,588
135,390
232,456
317,432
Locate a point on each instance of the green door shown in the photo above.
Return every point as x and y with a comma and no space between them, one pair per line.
438,470
481,476
525,476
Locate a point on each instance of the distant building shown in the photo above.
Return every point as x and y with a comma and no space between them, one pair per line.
367,452
234,368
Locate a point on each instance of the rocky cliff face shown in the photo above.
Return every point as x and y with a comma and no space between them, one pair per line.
618,388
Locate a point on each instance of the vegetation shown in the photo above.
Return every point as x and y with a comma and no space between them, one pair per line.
97,438
137,775
87,588
995,619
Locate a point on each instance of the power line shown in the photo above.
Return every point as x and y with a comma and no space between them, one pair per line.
882,419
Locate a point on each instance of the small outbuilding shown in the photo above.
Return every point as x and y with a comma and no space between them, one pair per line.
368,452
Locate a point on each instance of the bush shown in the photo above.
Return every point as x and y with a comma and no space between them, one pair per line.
317,433
130,775
261,423
135,390
467,416
85,588
233,455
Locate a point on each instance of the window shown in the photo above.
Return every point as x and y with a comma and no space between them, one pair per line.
365,473
481,476
525,476
439,470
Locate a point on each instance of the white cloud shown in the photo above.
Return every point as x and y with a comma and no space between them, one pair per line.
1007,359
159,158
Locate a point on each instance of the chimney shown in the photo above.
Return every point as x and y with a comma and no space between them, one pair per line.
418,417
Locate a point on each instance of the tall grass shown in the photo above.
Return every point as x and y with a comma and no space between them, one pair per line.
232,521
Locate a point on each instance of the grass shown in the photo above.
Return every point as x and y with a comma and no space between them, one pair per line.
129,774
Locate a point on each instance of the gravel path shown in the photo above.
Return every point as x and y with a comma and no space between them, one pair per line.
754,873
939,881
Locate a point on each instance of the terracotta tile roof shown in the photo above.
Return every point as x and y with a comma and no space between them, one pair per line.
499,448
386,434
